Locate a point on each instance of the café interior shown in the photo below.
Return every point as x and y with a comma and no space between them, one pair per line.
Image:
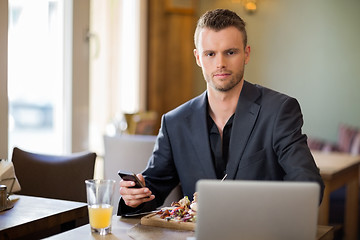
90,80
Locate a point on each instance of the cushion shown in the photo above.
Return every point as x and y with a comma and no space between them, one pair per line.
355,146
322,145
346,137
315,144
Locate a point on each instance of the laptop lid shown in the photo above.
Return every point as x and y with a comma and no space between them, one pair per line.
259,210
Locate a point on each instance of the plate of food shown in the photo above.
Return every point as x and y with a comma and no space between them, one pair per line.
180,215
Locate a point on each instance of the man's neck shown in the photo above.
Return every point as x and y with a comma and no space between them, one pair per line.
222,105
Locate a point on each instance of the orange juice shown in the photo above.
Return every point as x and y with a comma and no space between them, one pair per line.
100,215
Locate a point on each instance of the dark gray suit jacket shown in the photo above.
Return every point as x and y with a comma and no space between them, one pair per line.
266,144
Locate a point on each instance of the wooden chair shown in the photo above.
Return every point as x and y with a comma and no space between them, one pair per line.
52,176
141,123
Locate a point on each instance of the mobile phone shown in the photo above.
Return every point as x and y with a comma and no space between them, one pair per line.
130,176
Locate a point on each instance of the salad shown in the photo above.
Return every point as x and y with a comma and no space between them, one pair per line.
182,211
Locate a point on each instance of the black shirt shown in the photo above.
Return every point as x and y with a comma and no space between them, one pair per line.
219,150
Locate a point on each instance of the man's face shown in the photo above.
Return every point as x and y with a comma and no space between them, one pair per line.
222,57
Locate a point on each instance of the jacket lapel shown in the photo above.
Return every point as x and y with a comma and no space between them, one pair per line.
245,117
199,134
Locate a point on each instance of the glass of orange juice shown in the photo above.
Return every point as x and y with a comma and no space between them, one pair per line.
100,204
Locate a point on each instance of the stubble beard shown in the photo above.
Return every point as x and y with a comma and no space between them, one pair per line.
234,81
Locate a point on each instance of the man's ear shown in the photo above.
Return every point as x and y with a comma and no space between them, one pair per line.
197,57
247,54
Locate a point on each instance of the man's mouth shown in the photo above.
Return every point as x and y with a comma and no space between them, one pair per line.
222,75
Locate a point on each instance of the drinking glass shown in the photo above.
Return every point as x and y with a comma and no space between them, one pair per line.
100,204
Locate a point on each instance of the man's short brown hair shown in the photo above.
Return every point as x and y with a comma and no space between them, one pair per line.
219,19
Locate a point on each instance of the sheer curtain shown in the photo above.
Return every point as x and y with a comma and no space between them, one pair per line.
117,63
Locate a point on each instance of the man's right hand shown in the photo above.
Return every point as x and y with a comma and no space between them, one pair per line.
133,197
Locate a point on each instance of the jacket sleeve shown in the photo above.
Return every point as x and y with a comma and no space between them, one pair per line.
291,145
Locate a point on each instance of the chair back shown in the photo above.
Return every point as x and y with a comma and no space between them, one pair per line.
126,152
53,176
130,153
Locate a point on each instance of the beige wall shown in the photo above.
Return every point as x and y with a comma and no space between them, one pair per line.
309,50
3,80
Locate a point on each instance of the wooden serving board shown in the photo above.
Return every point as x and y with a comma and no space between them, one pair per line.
154,219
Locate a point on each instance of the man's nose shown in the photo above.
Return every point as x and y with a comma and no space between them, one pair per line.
220,62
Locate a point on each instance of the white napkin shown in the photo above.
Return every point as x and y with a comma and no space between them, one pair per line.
7,176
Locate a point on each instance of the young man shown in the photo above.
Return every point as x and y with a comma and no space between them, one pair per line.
235,128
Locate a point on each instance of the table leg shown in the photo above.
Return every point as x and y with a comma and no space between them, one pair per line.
351,210
325,206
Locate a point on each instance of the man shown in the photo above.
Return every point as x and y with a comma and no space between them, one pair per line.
234,128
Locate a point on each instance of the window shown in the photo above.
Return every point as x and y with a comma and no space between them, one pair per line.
48,98
35,75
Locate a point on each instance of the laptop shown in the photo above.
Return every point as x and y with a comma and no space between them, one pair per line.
257,210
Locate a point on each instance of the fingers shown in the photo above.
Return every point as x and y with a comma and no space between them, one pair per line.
127,184
136,202
133,197
126,189
141,178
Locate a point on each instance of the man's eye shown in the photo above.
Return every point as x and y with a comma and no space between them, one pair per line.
231,52
210,54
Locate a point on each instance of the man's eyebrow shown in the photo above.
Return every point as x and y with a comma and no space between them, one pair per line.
207,51
232,49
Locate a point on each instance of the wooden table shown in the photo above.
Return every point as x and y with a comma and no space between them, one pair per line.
35,217
337,170
121,227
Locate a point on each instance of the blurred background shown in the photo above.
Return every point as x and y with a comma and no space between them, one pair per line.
71,71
